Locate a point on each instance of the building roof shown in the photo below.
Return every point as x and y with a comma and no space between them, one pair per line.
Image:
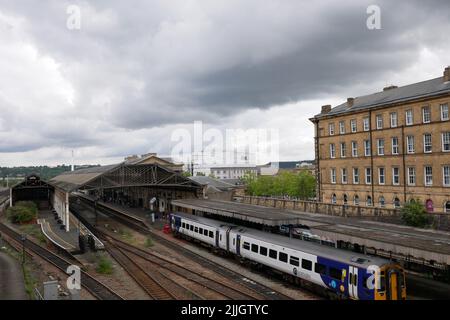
72,180
406,93
212,182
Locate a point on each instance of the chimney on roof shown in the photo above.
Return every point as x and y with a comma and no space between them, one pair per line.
326,109
389,88
350,102
447,74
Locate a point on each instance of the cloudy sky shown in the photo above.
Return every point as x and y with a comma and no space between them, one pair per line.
136,71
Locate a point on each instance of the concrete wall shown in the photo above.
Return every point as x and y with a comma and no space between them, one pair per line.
439,221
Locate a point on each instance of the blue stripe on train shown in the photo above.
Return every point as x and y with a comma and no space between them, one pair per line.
341,285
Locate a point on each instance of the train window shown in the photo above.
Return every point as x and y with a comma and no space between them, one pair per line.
306,264
283,257
320,268
196,230
255,248
263,251
205,233
191,227
200,230
234,241
211,234
335,273
246,246
183,225
294,261
220,238
272,254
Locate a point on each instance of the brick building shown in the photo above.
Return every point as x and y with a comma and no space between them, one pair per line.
387,148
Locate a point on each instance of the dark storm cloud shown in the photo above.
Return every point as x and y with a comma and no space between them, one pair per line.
146,64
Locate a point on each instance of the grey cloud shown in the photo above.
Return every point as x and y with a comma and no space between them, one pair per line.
149,64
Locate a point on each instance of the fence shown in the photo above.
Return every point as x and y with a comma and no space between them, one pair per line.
438,221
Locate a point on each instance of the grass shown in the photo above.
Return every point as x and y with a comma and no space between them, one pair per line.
35,231
126,236
104,266
149,242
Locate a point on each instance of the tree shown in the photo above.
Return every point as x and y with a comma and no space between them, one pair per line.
415,214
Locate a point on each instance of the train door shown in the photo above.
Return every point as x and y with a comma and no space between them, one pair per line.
238,244
177,223
353,282
217,238
228,239
395,287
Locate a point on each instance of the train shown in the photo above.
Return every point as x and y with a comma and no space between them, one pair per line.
339,273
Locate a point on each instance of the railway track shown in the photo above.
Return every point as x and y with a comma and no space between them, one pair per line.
96,288
263,291
151,282
221,287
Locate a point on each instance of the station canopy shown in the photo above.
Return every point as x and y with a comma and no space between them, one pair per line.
122,175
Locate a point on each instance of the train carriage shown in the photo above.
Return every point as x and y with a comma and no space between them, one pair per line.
344,273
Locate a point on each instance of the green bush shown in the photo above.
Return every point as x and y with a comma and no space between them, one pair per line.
104,266
414,214
22,212
149,242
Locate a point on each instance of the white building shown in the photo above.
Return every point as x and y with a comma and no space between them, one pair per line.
233,172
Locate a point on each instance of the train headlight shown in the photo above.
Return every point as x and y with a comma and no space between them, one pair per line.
342,288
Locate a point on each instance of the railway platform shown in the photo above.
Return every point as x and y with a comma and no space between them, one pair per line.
415,245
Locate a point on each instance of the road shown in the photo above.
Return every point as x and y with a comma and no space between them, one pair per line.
11,279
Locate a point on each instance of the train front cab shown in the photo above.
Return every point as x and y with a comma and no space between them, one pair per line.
392,284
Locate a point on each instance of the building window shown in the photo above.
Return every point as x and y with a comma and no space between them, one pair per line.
341,127
380,147
394,121
331,129
353,125
356,200
447,207
382,202
355,175
343,150
344,175
396,203
354,149
381,176
409,117
333,199
379,119
446,176
367,148
366,124
333,175
369,201
444,112
345,199
410,144
411,176
332,151
427,147
368,175
446,141
428,172
394,145
395,176
426,114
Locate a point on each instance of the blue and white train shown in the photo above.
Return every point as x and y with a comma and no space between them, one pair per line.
343,273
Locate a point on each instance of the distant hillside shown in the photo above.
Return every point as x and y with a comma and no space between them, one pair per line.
45,172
